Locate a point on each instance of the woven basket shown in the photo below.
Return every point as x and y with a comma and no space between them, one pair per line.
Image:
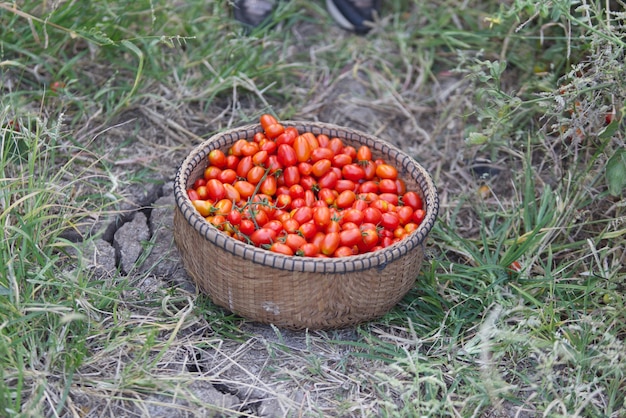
300,292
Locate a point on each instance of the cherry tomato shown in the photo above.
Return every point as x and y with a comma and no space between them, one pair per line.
335,145
327,195
260,158
302,148
245,188
236,148
405,213
350,151
232,161
390,220
321,216
287,137
298,203
410,227
364,153
192,194
275,225
302,214
400,187
227,176
418,216
345,199
246,227
267,120
333,226
255,174
249,149
295,241
328,180
321,154
386,171
413,200
281,248
308,250
369,237
203,207
321,167
234,217
290,225
387,186
353,172
274,131
202,193
380,204
369,167
232,193
353,215
308,182
308,230
263,236
199,182
212,172
268,186
343,251
350,237
217,158
309,198
399,233
372,215
223,207
305,168
291,175
268,146
344,184
286,155
389,198
259,137
368,187
215,189
340,160
329,243
245,164
296,191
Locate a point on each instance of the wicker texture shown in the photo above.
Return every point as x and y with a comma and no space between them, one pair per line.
299,292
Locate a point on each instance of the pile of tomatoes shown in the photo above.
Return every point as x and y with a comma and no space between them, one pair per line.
300,194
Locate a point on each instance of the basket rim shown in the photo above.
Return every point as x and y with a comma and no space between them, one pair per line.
377,259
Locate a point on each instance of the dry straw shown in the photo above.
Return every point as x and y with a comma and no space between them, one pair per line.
300,292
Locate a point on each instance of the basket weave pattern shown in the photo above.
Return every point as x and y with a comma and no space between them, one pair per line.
299,292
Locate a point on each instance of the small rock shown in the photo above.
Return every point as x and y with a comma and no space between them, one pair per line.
164,259
128,241
97,255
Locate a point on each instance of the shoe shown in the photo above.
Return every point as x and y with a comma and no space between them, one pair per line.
253,13
354,15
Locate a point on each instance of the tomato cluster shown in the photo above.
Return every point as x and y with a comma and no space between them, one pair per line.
301,194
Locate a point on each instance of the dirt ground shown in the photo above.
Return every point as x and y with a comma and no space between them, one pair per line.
269,372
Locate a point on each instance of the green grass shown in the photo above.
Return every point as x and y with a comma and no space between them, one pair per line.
527,85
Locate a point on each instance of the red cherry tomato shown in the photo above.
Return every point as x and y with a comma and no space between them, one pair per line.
263,236
215,189
286,155
386,171
302,148
217,158
329,243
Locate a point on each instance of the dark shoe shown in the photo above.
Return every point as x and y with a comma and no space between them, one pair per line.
354,15
253,12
